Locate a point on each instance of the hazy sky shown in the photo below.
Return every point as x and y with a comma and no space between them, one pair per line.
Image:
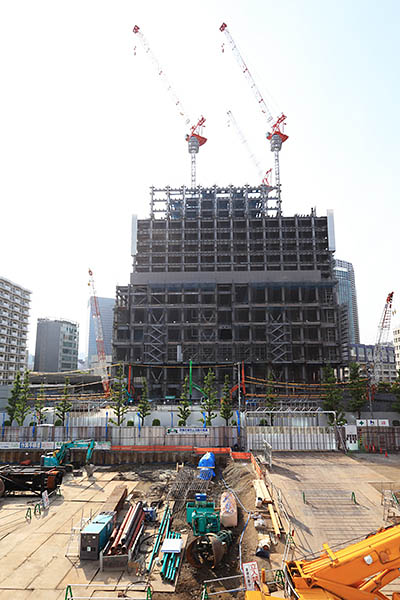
87,128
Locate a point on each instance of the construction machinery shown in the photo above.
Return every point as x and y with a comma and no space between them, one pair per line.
209,549
357,572
35,480
382,340
275,135
202,516
194,138
62,456
101,354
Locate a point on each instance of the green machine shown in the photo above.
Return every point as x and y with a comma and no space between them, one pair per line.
203,517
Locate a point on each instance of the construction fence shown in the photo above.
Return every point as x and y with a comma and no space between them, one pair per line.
379,439
291,438
199,437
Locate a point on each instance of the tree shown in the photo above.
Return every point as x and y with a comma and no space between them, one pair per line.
333,396
184,405
64,406
118,398
357,390
396,392
209,403
144,405
226,411
14,397
39,406
22,408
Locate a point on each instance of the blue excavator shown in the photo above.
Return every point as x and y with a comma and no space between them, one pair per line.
62,456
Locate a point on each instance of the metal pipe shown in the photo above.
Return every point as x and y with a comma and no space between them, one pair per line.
154,553
134,532
113,548
130,524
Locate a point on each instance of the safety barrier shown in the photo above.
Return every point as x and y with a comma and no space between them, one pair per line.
241,455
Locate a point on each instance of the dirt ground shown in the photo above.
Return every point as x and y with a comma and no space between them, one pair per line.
21,576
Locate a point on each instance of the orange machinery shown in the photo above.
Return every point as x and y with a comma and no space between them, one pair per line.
357,572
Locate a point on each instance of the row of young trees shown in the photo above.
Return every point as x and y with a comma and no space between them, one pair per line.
18,405
358,390
209,403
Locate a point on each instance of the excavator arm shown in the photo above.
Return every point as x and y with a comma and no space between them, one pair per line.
357,572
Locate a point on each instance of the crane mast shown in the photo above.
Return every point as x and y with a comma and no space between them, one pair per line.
382,339
194,138
275,135
99,337
263,176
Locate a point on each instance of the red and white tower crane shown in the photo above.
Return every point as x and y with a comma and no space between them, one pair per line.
264,176
99,337
275,135
382,339
194,138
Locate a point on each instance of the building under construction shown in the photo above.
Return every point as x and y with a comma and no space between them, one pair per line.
220,277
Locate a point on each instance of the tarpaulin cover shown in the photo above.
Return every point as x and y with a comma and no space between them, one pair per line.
206,466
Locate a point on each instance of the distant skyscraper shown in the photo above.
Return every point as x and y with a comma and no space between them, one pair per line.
14,316
106,307
56,346
347,295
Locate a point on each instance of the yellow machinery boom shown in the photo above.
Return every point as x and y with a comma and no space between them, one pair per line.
357,572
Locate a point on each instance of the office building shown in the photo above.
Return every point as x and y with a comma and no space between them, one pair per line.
220,277
57,344
106,308
14,317
347,296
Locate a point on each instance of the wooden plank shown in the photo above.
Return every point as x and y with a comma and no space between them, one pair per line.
275,524
262,491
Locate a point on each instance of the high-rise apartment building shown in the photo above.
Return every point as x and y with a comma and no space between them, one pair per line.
396,343
347,296
14,317
363,354
106,308
57,344
217,279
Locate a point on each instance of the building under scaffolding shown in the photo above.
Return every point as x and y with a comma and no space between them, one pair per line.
220,277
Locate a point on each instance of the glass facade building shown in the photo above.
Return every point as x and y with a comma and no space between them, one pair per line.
347,296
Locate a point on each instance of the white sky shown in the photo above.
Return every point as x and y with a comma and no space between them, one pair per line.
87,128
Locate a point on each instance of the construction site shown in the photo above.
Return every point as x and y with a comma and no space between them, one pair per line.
194,538
284,500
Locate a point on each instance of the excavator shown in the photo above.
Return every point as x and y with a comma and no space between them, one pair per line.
357,572
61,456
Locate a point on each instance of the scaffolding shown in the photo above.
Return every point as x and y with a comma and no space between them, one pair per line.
221,277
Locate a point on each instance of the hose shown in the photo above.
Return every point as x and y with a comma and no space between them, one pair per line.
249,513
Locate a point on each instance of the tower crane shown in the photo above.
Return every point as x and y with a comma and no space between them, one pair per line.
194,138
275,135
382,339
99,337
263,176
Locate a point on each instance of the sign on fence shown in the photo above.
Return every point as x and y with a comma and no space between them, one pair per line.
188,430
37,445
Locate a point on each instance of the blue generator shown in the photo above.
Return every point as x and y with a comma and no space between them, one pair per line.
96,535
